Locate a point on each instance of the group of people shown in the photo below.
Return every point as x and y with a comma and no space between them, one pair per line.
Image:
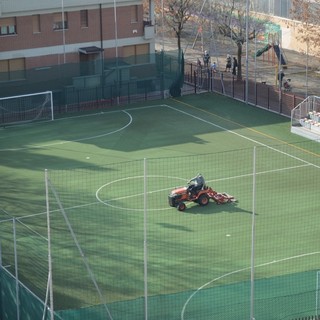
231,64
206,60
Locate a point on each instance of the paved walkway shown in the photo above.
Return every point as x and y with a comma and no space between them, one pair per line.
304,82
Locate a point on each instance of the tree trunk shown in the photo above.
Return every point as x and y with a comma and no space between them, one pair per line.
179,42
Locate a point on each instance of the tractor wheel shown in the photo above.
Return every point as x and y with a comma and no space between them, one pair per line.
203,200
181,206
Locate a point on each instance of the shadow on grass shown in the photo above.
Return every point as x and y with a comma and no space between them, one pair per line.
213,208
175,226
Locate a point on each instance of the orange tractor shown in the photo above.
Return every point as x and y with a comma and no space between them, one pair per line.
197,191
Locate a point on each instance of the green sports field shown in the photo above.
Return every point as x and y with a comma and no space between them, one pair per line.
120,252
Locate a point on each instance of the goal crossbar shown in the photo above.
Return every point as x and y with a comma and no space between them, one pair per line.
26,108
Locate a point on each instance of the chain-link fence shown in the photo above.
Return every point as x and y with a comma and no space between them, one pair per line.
103,83
115,249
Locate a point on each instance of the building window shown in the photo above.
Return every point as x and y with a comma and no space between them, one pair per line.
8,26
36,23
134,13
136,54
58,22
13,69
84,18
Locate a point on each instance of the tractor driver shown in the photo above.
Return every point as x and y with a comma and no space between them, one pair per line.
196,184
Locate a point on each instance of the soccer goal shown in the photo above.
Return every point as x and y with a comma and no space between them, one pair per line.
26,108
305,118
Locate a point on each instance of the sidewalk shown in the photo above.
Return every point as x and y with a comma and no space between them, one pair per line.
304,82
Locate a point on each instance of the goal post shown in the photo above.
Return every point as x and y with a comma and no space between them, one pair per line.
26,108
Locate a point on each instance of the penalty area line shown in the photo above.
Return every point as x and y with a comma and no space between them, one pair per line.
241,270
244,137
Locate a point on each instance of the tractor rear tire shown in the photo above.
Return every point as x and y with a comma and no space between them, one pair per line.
181,206
203,200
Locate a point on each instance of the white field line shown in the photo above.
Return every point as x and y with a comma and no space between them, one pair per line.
306,163
243,136
241,270
156,106
76,140
18,220
33,231
82,116
106,202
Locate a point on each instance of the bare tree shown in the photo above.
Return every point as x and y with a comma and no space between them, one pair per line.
306,15
176,14
229,19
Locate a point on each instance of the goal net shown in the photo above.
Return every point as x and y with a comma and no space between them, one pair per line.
26,108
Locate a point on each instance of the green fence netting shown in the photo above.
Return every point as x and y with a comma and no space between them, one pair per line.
79,83
119,251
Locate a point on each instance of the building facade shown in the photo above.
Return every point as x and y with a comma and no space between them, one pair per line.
36,34
279,8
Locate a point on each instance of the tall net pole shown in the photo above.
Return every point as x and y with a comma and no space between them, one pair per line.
49,247
16,268
253,223
317,292
247,50
145,241
83,256
51,103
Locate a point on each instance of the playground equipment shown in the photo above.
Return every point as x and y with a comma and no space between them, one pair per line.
277,51
273,43
275,56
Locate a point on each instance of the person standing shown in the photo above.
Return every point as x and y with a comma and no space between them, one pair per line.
199,63
228,64
280,77
214,66
234,66
206,59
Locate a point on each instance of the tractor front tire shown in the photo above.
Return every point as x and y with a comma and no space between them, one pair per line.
181,206
203,200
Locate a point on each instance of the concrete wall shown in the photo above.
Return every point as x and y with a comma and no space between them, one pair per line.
290,35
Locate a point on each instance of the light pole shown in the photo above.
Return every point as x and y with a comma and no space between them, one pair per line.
116,45
255,57
63,32
162,23
247,49
255,60
115,27
255,65
307,67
